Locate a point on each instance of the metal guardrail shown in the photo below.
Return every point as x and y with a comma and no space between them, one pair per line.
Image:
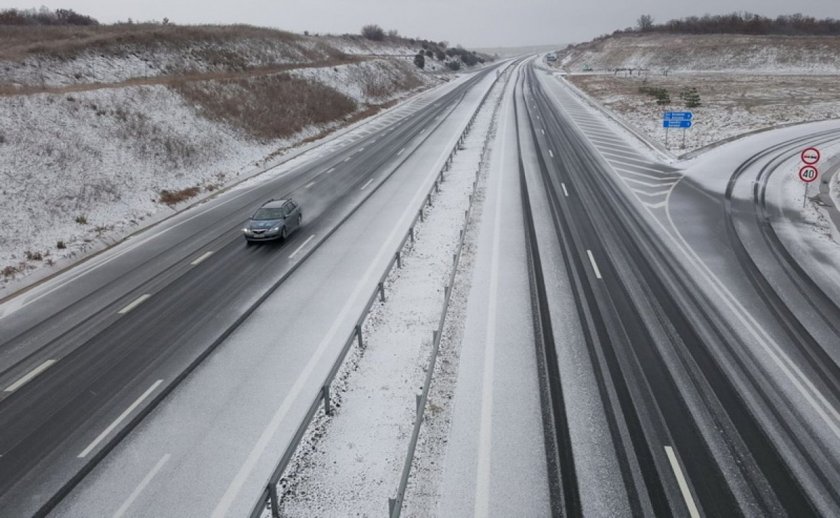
269,495
395,504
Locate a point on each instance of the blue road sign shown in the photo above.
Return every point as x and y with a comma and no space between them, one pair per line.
685,116
676,124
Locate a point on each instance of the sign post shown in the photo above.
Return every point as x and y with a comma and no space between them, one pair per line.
676,120
807,174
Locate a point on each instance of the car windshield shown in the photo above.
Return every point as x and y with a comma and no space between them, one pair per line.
269,213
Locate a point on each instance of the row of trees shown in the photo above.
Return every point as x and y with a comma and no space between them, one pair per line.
453,56
741,23
44,16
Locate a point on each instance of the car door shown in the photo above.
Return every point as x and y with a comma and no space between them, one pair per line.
294,214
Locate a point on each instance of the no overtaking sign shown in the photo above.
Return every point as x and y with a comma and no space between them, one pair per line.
810,156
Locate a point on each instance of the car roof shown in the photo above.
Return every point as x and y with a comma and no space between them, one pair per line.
274,203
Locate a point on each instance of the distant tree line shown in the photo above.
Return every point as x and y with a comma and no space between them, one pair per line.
740,23
44,16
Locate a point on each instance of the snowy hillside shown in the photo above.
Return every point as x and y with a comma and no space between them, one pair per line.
705,52
103,129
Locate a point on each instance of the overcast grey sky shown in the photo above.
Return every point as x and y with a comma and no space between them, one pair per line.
473,23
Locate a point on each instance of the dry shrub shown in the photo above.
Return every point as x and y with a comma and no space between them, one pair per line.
267,107
9,271
174,197
33,256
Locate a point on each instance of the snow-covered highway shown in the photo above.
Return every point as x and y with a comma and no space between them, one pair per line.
633,335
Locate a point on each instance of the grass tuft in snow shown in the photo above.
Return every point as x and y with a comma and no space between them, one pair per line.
175,197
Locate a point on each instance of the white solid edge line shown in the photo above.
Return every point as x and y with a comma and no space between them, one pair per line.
204,256
485,432
686,492
594,264
119,419
139,300
366,184
298,249
563,185
28,377
143,483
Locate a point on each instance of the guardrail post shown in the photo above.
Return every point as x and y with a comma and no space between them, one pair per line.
429,199
399,260
417,399
273,500
325,393
437,187
392,502
422,218
411,233
381,292
359,336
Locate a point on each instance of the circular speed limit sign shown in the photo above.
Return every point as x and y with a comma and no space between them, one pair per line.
808,174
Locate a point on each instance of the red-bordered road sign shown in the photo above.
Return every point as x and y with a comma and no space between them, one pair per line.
808,174
810,156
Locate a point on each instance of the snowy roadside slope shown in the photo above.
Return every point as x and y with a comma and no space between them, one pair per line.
706,52
61,56
83,168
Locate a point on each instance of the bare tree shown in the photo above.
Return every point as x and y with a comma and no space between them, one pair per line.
645,23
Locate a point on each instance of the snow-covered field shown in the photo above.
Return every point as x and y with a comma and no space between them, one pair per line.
353,459
732,104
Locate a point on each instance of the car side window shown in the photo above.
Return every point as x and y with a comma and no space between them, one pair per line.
288,208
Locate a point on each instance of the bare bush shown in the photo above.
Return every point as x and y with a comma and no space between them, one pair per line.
373,32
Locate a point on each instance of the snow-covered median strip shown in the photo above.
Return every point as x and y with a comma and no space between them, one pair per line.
351,461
